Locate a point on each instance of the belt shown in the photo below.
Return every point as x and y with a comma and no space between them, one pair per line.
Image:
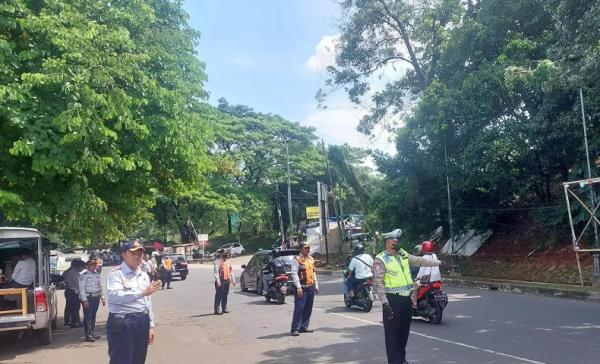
131,314
98,294
404,290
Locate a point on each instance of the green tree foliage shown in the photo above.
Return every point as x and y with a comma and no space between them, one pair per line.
99,113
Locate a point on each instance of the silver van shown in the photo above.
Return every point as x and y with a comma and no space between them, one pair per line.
33,308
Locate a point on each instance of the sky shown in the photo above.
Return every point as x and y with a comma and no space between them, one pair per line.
271,55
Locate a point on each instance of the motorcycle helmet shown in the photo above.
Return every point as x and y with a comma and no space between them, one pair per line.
358,249
427,247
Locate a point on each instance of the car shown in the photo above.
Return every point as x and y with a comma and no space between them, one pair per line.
234,248
254,272
39,311
180,265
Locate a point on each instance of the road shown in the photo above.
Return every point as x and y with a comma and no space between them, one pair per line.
478,327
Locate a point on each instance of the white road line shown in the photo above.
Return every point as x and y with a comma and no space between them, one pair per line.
440,339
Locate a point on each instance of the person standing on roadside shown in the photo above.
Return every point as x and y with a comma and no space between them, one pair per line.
148,268
393,285
90,294
167,268
223,278
306,286
130,324
72,303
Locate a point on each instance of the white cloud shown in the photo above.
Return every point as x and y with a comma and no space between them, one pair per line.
324,55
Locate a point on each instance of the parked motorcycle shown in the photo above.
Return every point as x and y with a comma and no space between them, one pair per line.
431,302
363,296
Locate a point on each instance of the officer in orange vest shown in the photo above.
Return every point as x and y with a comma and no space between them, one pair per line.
223,278
167,266
306,286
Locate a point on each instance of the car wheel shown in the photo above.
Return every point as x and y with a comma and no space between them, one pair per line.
44,336
243,285
259,286
183,277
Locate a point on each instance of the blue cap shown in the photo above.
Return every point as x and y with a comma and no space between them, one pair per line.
132,246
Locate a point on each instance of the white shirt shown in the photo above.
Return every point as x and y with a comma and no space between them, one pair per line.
434,272
361,270
24,272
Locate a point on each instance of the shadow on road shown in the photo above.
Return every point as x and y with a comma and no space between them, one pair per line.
333,353
273,336
63,337
203,315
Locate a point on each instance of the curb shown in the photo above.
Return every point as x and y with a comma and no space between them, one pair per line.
533,288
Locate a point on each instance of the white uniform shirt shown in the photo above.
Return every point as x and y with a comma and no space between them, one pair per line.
434,272
361,270
24,272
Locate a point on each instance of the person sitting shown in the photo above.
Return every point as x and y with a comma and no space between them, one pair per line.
429,274
23,273
359,270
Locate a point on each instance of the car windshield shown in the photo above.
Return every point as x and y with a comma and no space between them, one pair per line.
177,257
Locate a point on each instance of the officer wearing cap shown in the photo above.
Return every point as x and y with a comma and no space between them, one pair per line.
393,285
305,287
90,294
130,324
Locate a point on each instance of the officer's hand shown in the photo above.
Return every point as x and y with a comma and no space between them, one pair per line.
153,287
218,285
86,304
388,312
299,292
151,336
103,301
317,290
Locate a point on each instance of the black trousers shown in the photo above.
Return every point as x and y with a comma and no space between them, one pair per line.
221,294
167,276
397,329
89,315
72,304
130,345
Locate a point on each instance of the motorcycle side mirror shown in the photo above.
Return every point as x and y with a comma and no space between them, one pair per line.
243,266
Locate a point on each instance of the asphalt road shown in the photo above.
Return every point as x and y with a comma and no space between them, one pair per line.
478,327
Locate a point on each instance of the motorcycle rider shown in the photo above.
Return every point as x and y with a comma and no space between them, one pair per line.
433,272
393,285
359,270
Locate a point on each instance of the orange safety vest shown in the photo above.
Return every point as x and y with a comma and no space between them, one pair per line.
168,265
306,270
224,270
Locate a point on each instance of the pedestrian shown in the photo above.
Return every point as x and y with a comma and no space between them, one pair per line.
167,268
90,294
305,288
393,285
154,266
72,303
223,278
147,267
130,324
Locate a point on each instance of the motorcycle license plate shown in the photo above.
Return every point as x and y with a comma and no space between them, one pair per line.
441,297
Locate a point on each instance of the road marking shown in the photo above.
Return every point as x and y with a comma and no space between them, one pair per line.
441,339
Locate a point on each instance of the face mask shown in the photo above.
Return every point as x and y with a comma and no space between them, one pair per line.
396,246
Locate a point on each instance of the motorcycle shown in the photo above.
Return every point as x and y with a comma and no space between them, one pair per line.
279,286
431,302
363,296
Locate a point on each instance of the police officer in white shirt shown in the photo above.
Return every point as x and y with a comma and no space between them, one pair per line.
359,269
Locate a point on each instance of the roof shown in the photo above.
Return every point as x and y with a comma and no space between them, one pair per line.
18,233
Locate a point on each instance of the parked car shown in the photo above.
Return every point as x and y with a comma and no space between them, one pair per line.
259,266
38,311
234,248
181,266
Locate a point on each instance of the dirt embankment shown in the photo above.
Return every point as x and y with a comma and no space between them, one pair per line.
527,254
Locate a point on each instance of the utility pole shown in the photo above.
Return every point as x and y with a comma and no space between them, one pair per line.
453,261
595,256
337,210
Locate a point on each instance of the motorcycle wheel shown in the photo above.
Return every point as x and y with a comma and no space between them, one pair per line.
368,305
259,287
280,298
347,301
436,318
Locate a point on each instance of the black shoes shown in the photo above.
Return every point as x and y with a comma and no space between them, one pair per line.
169,288
225,310
218,313
75,325
295,333
96,336
306,331
90,339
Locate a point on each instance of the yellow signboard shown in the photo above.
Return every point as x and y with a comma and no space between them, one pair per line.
312,212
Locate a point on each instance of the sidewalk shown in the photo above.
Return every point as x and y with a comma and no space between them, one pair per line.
585,293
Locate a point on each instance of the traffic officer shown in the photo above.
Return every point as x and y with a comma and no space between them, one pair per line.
305,287
393,285
130,324
72,303
223,278
167,268
90,294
